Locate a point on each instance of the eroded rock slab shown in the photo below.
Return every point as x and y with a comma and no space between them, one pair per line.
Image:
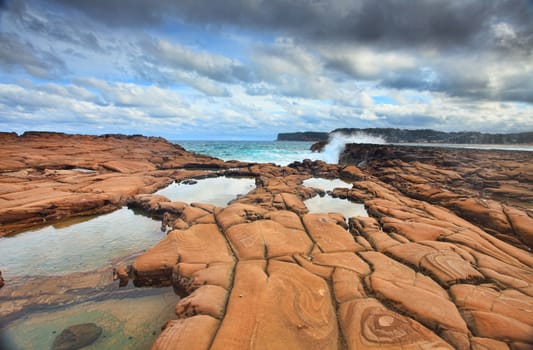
405,277
442,261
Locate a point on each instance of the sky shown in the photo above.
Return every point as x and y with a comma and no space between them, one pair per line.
248,69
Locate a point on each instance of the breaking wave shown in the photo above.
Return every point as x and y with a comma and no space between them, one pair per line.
337,142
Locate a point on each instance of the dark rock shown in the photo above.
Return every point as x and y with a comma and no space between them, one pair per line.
189,182
77,336
319,146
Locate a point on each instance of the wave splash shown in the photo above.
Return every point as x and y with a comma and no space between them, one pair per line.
337,142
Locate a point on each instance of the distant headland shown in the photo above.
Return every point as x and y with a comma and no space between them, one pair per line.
416,136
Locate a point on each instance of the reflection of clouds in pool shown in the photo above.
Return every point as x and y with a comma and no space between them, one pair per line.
81,246
326,184
328,204
218,191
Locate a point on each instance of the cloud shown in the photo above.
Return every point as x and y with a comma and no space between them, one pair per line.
390,22
131,108
42,21
489,77
365,63
120,13
255,68
177,56
16,53
286,68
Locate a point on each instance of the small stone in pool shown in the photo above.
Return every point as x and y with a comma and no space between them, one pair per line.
77,336
189,182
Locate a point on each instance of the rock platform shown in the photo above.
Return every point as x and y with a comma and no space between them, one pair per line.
440,262
47,177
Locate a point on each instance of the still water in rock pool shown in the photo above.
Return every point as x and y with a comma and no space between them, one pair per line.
81,246
326,184
128,323
129,319
217,191
327,203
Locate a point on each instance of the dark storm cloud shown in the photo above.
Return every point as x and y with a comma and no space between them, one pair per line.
57,27
390,22
462,78
489,31
122,13
445,79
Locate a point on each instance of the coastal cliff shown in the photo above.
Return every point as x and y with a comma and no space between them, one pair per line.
443,259
391,135
303,136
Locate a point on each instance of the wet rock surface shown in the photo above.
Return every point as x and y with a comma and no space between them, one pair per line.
420,271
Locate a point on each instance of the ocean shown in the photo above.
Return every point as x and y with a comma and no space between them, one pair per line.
286,152
278,152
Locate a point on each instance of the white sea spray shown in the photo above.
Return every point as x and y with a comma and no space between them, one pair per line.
337,142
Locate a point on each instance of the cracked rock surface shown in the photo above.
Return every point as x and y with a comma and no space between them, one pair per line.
441,262
412,275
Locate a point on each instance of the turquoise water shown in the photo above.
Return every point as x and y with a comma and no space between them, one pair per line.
286,152
279,152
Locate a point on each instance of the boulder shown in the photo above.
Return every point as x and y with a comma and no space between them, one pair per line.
77,336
